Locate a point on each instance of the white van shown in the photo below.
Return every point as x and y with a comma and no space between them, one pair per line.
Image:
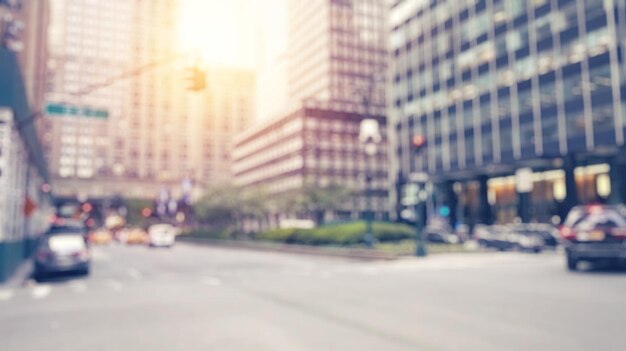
161,235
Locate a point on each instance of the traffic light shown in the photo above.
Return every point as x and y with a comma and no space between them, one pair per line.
196,78
419,142
86,207
146,212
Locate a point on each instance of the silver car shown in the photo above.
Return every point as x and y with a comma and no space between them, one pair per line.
62,252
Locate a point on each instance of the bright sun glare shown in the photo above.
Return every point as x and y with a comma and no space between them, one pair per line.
213,28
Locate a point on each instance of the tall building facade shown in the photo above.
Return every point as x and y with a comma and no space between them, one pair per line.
497,86
335,66
314,145
335,50
143,129
25,200
90,42
226,109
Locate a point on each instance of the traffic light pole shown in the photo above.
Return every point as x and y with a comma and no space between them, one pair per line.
422,180
420,223
369,233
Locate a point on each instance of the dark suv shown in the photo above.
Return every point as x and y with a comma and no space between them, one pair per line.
595,233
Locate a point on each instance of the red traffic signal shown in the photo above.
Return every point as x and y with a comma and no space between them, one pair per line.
146,212
86,207
419,142
197,79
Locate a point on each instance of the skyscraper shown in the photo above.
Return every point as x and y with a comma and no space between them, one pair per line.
336,67
501,86
90,42
143,129
335,49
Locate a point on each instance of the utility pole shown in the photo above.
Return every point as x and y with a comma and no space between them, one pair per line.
421,180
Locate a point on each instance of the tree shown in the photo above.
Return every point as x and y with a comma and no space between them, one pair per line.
225,206
219,206
317,200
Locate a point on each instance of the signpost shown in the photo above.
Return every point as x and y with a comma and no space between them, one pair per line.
419,197
62,109
524,186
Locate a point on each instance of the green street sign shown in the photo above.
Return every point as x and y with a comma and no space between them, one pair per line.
60,109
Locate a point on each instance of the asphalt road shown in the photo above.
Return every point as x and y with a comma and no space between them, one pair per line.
199,298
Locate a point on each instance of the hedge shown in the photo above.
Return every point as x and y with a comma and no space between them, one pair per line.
344,234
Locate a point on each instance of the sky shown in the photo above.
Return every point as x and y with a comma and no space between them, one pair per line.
242,33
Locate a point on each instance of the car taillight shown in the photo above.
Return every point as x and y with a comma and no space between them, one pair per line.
83,254
619,233
42,255
567,233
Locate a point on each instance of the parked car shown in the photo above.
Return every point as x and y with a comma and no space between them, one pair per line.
594,233
62,252
161,235
492,236
506,238
548,234
440,235
527,241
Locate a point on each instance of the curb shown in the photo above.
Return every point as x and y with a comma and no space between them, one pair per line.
357,254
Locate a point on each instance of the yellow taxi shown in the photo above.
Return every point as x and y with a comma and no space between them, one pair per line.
136,236
100,237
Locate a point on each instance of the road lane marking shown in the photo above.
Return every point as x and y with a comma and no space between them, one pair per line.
41,291
78,287
212,281
326,275
370,271
99,256
135,274
6,295
114,284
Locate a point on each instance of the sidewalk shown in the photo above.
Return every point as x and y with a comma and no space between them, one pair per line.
21,275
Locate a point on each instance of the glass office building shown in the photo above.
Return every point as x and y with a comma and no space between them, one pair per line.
496,86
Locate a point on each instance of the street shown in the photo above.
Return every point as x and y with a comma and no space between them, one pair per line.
202,298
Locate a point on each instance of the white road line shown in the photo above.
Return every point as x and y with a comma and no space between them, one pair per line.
99,256
370,271
212,281
134,273
6,295
78,287
326,275
114,284
41,291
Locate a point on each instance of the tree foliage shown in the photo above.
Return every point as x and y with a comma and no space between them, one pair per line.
225,205
317,200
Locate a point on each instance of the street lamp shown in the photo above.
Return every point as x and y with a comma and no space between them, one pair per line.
421,180
369,137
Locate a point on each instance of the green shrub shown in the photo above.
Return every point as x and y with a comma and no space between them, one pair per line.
386,231
277,235
221,234
342,234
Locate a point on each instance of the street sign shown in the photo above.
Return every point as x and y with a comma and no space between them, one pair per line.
410,194
61,109
420,177
524,180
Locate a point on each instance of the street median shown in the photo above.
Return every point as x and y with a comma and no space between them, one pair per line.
340,252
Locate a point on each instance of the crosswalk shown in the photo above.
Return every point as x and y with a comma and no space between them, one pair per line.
130,277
